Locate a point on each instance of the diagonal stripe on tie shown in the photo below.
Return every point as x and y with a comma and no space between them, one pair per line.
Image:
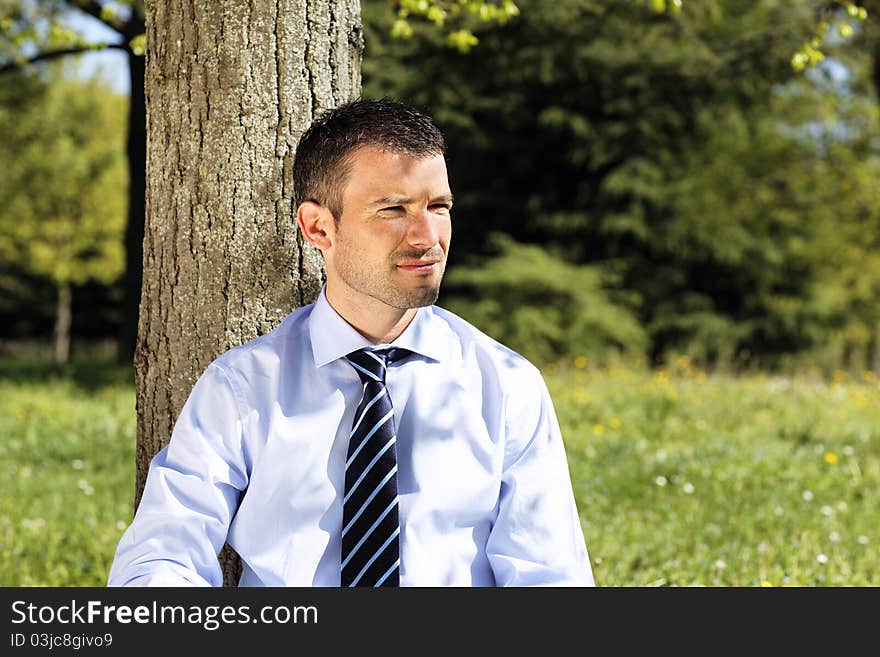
353,550
370,508
380,488
362,442
388,572
383,549
359,552
363,412
367,469
363,371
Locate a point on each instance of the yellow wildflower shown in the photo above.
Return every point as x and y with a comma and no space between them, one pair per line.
581,395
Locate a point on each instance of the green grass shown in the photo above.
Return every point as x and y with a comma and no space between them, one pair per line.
681,479
690,480
67,439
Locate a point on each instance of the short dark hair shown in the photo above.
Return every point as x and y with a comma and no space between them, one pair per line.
323,155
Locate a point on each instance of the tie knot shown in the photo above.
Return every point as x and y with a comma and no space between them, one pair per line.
370,364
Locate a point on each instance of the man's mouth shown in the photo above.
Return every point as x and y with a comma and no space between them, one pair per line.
418,266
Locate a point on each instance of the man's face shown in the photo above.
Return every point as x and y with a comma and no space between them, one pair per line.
390,243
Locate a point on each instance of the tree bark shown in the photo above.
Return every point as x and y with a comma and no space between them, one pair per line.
229,89
63,320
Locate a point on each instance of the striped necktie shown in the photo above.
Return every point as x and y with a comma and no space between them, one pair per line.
370,525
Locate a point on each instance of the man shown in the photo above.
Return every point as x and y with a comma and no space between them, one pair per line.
372,439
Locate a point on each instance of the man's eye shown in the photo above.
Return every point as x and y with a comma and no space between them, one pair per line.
441,207
392,208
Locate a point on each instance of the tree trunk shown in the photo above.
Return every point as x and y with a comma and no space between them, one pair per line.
872,351
63,317
136,150
229,89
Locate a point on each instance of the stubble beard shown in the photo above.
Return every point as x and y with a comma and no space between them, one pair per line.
385,289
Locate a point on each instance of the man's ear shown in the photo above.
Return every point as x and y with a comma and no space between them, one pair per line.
316,223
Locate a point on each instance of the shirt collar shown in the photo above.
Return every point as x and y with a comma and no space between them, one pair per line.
332,337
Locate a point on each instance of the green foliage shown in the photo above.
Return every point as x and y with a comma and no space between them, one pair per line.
836,20
536,303
454,18
63,195
784,204
834,17
138,44
673,139
661,6
34,29
27,28
719,181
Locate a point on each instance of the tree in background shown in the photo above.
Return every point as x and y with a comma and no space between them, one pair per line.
784,197
611,121
561,137
62,193
32,32
39,31
19,290
528,296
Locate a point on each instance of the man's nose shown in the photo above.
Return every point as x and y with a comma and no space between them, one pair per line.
423,229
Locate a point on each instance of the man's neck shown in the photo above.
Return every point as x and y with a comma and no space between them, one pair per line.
376,321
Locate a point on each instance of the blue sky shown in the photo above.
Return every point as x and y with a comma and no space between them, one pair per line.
110,64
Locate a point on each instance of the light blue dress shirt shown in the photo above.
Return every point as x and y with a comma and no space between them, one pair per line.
257,458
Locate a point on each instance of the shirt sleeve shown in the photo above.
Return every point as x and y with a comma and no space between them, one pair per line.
537,538
191,493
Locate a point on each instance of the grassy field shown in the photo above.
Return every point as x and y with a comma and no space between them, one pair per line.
67,443
681,479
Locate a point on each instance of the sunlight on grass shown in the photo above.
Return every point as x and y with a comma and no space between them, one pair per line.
681,478
66,480
697,480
